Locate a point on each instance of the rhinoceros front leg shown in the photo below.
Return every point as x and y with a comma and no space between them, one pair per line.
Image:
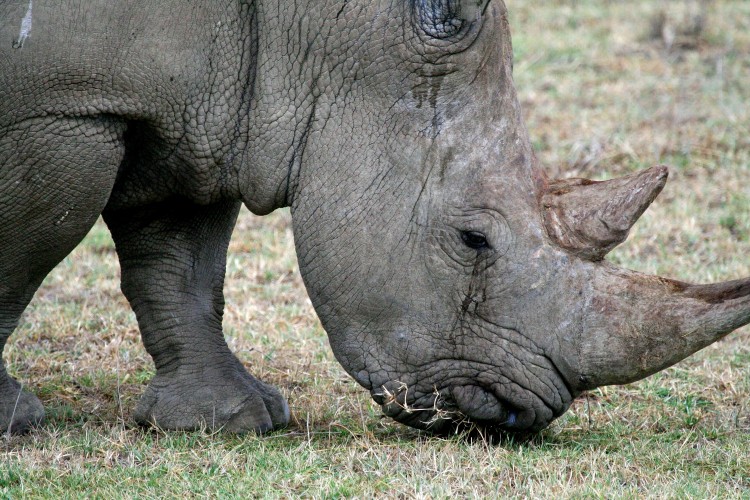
173,259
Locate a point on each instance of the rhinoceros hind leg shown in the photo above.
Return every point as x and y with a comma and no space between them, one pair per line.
56,175
19,410
173,258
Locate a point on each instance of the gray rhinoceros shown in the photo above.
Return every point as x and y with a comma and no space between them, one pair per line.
454,279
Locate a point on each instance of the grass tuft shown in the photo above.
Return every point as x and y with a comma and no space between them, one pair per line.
680,25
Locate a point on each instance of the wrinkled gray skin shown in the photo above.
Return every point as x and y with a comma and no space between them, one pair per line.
454,279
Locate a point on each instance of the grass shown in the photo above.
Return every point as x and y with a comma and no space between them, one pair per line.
603,97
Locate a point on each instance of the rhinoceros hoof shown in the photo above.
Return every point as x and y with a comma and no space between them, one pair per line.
22,407
233,402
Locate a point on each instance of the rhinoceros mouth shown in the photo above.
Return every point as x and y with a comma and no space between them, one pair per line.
456,408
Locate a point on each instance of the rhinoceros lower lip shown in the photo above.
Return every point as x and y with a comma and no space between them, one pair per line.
483,407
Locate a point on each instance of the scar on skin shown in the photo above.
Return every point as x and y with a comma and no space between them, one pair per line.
25,31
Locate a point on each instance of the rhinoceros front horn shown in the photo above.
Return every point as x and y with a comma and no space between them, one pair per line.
632,324
637,324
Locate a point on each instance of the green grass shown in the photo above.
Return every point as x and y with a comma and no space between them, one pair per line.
602,98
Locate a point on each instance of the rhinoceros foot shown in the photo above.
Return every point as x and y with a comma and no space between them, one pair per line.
19,410
231,400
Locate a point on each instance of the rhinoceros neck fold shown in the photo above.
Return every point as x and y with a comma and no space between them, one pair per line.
290,66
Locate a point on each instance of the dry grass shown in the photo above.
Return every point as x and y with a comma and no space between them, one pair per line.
602,98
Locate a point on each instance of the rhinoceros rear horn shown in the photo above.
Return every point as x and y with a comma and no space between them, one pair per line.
590,218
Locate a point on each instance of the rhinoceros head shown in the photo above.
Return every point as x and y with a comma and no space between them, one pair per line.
454,279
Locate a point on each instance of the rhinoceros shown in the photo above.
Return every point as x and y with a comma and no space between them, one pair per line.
455,280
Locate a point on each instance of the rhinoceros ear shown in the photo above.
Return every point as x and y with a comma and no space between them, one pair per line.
447,18
590,218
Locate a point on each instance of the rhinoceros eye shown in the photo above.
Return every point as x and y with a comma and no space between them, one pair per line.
474,240
448,19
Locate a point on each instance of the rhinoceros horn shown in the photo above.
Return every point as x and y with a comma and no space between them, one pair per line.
633,324
590,218
639,324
